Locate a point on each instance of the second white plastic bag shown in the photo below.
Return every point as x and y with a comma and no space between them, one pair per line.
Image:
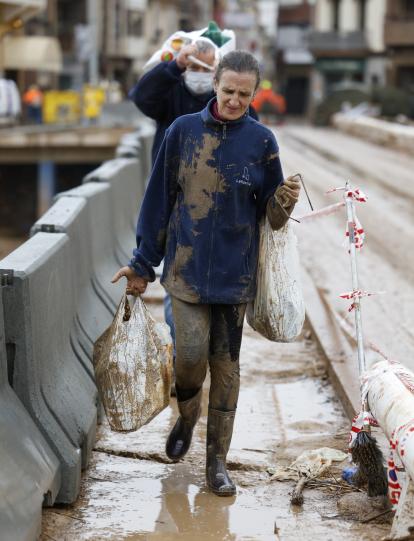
278,311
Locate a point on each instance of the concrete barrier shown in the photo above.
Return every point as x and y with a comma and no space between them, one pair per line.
378,131
69,215
129,146
30,472
146,135
39,307
126,191
100,231
119,114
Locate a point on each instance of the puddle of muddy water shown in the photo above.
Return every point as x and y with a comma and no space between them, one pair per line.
131,492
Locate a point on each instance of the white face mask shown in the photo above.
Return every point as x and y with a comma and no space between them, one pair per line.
199,82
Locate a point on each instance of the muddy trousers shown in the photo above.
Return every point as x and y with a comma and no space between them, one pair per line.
207,335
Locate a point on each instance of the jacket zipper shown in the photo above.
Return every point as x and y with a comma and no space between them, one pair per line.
214,213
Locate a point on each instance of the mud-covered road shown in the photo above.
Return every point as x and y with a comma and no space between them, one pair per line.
287,405
327,158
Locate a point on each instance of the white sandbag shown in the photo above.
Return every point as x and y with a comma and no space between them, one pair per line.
389,387
133,367
278,311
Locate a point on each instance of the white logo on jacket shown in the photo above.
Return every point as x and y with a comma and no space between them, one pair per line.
244,178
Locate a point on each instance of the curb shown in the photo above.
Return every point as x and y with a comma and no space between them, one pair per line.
340,354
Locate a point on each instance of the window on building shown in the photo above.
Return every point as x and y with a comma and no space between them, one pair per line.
135,24
362,14
335,14
408,6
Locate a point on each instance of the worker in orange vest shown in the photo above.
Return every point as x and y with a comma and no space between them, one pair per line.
269,105
33,99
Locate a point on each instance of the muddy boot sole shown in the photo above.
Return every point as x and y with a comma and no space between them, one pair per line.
224,493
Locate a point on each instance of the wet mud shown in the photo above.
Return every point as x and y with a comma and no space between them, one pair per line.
286,406
327,158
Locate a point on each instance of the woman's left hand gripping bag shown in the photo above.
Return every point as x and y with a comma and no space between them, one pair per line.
133,367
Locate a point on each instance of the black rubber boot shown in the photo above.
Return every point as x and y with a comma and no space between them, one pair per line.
179,440
219,433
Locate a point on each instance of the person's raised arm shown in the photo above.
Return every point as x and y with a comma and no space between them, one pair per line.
151,92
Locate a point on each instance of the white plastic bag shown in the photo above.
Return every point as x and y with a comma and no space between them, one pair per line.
278,311
172,45
133,367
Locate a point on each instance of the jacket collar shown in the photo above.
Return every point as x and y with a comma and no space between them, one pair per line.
211,121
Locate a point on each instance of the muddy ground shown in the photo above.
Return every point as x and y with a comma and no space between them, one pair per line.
287,405
327,158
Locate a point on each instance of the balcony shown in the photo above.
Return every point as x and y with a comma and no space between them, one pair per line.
129,47
333,44
12,10
399,32
136,5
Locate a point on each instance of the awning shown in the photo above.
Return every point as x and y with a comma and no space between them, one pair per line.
348,65
35,53
298,57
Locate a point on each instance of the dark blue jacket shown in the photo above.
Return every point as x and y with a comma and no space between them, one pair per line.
162,95
207,192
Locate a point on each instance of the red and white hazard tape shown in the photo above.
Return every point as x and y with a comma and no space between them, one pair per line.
363,418
358,294
359,233
356,193
325,211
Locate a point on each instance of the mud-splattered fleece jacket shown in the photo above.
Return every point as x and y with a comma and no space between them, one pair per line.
209,187
162,95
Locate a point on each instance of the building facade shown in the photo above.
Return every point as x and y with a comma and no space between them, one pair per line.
294,61
399,40
348,45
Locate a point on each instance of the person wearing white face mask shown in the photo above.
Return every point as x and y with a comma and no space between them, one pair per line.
172,89
179,87
198,82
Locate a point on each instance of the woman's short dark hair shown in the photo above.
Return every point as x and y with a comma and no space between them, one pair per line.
239,61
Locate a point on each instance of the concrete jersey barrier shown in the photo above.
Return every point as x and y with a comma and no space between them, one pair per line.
127,188
378,131
39,306
30,472
101,233
70,215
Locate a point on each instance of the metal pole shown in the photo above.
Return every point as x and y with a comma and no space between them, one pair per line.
350,211
93,28
46,185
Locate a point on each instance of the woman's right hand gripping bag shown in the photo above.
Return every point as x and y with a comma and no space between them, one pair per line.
133,367
278,311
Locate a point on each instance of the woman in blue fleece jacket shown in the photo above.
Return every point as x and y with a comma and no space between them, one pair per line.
216,174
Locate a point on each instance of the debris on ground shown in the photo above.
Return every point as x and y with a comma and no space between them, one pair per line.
307,467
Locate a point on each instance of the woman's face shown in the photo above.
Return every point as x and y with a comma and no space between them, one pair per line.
235,91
